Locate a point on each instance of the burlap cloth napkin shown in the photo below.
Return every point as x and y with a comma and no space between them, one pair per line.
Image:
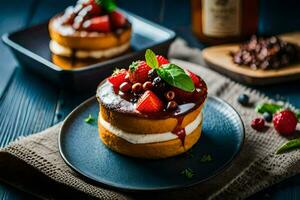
33,164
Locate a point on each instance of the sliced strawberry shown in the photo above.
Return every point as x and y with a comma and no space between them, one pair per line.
95,8
138,72
100,24
149,102
118,77
161,60
194,78
117,19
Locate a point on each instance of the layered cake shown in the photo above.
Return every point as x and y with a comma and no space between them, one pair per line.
89,32
152,110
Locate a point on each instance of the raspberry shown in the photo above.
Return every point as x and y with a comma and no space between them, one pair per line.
138,72
118,77
285,122
149,102
161,60
258,124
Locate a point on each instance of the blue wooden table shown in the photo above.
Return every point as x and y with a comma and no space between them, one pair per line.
29,104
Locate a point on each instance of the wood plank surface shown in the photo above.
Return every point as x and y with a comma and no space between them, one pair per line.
11,22
28,106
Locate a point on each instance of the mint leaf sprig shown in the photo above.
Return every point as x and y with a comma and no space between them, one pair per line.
108,5
289,146
206,158
89,119
268,107
171,73
151,59
188,173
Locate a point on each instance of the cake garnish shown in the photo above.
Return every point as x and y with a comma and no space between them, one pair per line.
149,102
118,77
109,5
188,173
89,119
156,85
171,73
206,158
138,72
94,15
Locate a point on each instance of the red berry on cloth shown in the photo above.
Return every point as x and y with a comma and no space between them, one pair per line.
258,124
285,122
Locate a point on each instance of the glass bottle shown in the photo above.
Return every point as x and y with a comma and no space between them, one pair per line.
222,21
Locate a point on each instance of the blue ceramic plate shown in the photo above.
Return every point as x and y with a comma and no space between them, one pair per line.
82,149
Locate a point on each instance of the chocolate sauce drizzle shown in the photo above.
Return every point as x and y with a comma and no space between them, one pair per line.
179,131
73,58
110,99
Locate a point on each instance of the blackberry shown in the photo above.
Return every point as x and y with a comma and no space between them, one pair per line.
152,74
158,83
159,86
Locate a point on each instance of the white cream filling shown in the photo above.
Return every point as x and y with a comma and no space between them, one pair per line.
97,54
148,138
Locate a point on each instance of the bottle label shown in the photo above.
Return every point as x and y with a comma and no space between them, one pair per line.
221,18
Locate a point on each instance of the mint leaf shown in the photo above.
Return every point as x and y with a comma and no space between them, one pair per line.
188,173
89,119
268,107
151,59
206,158
298,115
176,77
108,5
189,154
273,108
289,146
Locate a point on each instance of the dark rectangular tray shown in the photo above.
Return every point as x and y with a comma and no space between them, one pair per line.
31,48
